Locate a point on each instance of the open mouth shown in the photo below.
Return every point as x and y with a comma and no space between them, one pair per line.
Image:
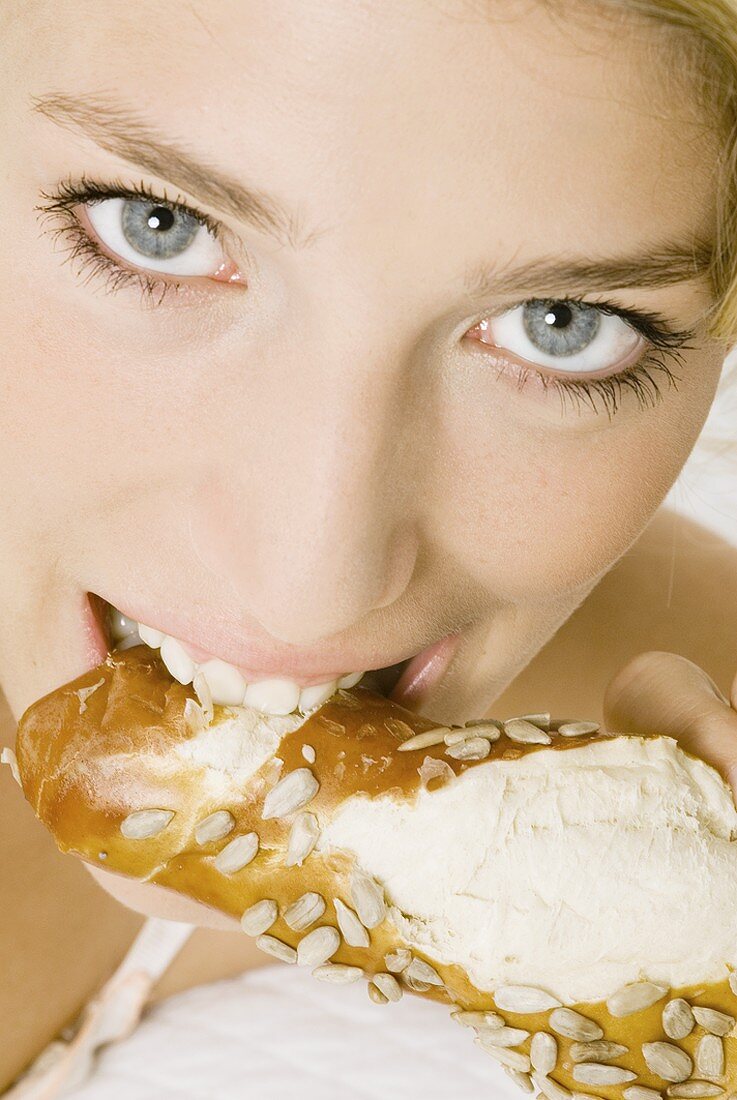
217,681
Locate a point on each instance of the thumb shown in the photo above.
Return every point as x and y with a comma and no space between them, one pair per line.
665,693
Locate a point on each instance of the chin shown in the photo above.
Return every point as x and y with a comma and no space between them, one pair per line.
160,901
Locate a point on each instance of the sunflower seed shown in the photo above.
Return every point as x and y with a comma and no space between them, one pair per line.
718,1023
549,1088
302,839
291,793
142,824
526,733
277,948
194,716
432,768
399,728
543,1052
710,1056
421,971
395,961
678,1019
376,995
454,737
487,728
635,997
237,854
733,981
667,1061
308,753
540,720
473,748
202,690
599,1051
524,999
522,1079
337,973
578,729
304,911
214,827
350,702
594,1073
639,1092
489,1021
388,985
368,898
337,729
584,1096
694,1088
505,1055
353,931
573,1025
83,694
474,722
412,983
424,740
317,946
505,1036
259,917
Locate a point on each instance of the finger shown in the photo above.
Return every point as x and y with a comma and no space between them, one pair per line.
659,692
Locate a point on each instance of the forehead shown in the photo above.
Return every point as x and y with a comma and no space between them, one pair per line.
508,118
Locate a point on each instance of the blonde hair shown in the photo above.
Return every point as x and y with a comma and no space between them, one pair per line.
705,53
711,28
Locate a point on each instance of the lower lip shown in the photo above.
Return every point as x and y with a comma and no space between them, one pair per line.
424,671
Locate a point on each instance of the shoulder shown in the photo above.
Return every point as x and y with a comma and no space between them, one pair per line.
675,589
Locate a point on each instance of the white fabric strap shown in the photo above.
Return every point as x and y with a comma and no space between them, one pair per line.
109,1017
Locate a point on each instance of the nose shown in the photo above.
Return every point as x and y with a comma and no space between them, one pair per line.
309,524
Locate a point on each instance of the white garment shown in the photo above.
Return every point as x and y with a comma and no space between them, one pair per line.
272,1033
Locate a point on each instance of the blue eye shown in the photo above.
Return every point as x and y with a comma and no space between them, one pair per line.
161,238
621,350
569,337
134,237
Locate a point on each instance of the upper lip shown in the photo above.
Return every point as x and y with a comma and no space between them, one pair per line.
259,658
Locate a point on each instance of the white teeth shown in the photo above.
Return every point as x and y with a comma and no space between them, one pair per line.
120,625
273,696
350,680
151,637
226,684
315,696
177,660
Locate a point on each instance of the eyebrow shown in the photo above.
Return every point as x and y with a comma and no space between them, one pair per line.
662,265
125,134
122,132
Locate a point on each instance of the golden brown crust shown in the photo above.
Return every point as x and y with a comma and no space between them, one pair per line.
90,758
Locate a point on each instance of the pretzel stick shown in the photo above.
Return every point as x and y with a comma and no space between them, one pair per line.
278,822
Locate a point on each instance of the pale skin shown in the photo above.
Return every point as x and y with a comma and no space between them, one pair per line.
313,450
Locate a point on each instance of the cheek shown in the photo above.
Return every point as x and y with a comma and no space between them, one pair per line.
531,507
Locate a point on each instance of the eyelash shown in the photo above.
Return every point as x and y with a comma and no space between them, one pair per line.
58,208
665,342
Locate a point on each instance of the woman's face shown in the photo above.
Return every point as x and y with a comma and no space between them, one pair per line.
361,425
